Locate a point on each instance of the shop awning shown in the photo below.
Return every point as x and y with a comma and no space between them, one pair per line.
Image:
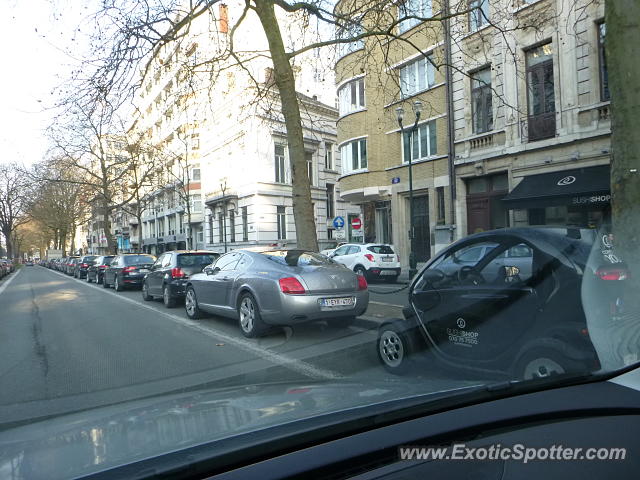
577,187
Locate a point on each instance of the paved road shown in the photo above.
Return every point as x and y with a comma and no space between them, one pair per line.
67,345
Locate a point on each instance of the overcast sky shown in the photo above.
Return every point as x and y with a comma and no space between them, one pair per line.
35,36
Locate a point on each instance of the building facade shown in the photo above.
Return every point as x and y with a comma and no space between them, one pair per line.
373,80
531,115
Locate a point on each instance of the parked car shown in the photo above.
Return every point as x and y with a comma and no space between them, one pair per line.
127,270
96,268
7,267
373,260
28,263
506,302
329,251
276,287
170,273
70,265
81,266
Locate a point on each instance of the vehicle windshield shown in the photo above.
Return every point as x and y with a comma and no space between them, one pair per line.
195,259
218,217
138,259
297,258
381,249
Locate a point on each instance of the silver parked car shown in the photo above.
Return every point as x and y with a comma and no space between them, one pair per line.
276,287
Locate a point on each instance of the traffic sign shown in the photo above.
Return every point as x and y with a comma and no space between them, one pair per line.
338,222
356,223
395,180
339,234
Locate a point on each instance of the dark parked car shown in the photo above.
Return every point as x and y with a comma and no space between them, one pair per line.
169,274
81,266
514,307
127,270
277,287
97,267
70,264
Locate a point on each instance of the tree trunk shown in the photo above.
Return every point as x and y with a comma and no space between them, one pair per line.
139,218
7,238
622,39
285,81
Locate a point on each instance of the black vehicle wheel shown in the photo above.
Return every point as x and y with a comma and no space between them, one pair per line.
191,304
117,285
545,362
104,282
168,300
393,279
251,323
359,269
88,278
395,347
145,292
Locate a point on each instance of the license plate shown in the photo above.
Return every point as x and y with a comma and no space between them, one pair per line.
336,302
144,270
387,259
388,272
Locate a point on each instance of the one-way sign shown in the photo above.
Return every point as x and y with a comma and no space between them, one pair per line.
338,222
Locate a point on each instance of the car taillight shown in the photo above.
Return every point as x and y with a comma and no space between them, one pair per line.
398,257
368,256
291,285
178,273
128,269
103,266
83,265
612,273
362,282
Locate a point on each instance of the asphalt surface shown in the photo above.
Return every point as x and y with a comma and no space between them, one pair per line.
67,345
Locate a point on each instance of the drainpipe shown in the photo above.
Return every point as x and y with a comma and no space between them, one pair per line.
449,103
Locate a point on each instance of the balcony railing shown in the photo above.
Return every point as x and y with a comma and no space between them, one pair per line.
541,126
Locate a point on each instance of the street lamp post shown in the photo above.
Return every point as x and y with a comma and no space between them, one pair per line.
417,108
223,187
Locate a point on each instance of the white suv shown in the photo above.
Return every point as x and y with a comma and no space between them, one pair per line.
373,260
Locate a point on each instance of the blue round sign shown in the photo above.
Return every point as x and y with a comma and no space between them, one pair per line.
338,222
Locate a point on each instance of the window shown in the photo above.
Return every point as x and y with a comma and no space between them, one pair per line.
308,157
350,31
424,142
354,155
228,261
281,219
330,201
245,224
351,96
540,92
195,174
440,205
417,76
412,8
210,228
604,74
478,14
196,203
481,106
195,141
221,228
232,226
280,164
328,155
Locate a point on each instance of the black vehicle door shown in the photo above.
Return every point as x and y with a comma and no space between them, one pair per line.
154,277
477,312
113,270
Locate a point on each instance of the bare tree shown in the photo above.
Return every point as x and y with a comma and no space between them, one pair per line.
14,201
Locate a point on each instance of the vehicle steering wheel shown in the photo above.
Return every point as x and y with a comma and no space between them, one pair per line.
467,276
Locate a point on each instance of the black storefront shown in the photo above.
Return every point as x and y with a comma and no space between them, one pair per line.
577,197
